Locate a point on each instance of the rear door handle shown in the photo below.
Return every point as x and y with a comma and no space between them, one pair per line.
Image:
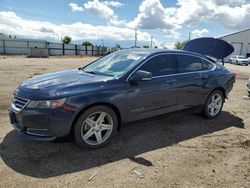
171,82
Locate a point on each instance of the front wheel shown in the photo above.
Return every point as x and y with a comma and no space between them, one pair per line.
214,104
95,127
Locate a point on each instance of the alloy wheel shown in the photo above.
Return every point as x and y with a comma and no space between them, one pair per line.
97,128
215,104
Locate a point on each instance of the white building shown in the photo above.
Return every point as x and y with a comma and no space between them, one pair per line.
240,41
3,36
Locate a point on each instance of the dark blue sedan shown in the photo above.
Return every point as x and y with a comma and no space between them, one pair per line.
92,102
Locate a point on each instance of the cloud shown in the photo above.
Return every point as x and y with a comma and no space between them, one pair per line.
232,14
102,10
171,33
46,30
199,33
113,3
75,8
152,15
11,23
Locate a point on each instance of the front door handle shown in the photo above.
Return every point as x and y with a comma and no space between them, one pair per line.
201,77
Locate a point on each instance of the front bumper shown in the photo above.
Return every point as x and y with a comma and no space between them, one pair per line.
41,124
243,62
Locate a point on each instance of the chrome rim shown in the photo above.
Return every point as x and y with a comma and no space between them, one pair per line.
97,128
214,105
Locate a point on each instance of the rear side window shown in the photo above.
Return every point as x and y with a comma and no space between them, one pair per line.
189,63
206,65
161,65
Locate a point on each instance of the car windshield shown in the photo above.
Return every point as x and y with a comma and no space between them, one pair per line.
241,57
115,64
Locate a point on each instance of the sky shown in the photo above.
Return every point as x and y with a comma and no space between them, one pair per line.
114,21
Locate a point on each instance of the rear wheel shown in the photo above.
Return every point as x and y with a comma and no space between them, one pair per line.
214,104
95,127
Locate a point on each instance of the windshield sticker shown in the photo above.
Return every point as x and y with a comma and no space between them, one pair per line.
134,57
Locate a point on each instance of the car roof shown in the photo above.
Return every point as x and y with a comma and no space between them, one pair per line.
155,51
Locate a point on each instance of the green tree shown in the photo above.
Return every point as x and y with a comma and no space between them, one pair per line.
145,46
117,46
87,43
67,39
179,45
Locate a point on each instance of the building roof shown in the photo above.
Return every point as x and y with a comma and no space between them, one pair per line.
237,32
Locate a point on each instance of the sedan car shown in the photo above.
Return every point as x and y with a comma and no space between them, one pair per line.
239,60
92,102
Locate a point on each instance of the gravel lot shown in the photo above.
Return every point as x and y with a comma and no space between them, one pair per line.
180,150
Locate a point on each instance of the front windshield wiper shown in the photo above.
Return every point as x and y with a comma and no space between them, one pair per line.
98,73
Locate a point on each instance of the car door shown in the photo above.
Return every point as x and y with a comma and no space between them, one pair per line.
190,81
156,96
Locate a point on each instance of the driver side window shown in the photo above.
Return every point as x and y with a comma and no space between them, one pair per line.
161,65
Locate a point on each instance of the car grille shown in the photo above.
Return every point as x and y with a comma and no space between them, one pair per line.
20,103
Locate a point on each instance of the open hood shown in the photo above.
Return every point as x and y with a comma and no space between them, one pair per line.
212,47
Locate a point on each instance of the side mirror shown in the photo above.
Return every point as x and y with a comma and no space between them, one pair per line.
141,75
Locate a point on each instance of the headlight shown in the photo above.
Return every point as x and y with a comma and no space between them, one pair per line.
47,104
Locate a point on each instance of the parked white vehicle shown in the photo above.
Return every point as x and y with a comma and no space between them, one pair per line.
239,60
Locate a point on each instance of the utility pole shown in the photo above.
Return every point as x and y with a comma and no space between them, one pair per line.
135,37
102,46
151,42
189,36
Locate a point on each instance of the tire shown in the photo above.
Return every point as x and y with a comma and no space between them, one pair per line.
212,109
90,126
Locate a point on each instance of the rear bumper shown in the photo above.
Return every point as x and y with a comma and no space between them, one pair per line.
41,124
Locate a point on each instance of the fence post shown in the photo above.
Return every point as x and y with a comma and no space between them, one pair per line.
63,49
75,49
86,50
3,47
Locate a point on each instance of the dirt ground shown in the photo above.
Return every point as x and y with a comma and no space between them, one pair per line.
180,150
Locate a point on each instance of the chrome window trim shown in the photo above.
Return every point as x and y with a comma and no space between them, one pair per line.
214,66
